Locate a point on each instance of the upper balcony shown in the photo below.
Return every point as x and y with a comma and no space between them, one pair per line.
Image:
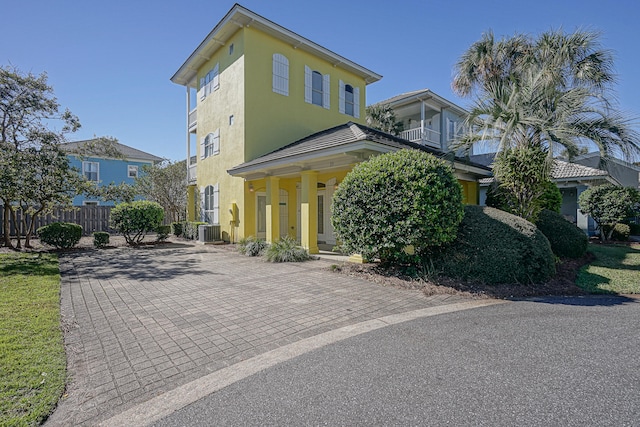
193,120
191,170
422,136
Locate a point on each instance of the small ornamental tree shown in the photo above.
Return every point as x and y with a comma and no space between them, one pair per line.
394,201
134,220
609,205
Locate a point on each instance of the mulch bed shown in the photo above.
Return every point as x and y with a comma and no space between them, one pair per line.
562,284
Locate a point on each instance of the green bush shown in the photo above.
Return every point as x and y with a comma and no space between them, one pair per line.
494,247
162,232
567,240
190,229
134,220
634,229
251,246
285,249
176,228
100,239
621,232
395,200
550,199
62,235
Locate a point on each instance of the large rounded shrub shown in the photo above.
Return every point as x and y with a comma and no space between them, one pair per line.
567,240
396,200
62,235
494,247
134,220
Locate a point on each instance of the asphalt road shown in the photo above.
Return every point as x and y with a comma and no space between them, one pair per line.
552,362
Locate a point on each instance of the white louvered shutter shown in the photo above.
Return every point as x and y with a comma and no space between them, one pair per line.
356,102
341,97
216,77
202,206
216,204
202,151
216,141
308,78
326,91
280,74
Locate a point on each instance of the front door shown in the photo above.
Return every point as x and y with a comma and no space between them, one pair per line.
261,214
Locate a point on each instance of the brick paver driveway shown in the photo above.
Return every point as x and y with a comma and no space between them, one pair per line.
140,322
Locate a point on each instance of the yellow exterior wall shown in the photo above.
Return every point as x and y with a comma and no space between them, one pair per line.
213,113
274,120
470,192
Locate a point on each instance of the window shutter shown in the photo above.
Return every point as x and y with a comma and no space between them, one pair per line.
216,77
280,74
356,102
307,84
202,205
326,92
216,141
216,205
341,97
202,148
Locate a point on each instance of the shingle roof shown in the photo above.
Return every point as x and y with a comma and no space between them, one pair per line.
562,170
127,151
402,96
339,136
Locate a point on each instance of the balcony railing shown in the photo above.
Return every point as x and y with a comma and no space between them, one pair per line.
191,173
193,119
428,137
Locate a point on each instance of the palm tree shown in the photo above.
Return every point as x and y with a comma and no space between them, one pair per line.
552,92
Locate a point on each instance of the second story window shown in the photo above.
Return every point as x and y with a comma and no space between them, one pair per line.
91,170
210,145
316,88
210,82
349,100
132,171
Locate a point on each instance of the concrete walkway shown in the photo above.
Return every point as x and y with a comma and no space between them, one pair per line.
140,323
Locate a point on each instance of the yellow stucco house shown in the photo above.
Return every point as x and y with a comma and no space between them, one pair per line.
274,123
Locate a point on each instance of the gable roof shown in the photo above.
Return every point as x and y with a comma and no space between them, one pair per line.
128,152
336,140
420,95
239,17
596,154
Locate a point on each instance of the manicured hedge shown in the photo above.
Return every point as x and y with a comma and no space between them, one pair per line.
567,240
62,235
494,247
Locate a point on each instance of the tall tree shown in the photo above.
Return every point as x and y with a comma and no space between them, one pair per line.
166,184
382,117
35,175
552,92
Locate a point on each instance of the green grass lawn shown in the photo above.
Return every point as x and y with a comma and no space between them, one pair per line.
32,359
615,270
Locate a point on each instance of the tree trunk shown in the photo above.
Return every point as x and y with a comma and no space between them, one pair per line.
14,216
6,225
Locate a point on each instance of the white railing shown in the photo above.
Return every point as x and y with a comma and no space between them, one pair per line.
193,118
191,173
430,136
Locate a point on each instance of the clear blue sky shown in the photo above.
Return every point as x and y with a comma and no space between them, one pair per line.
110,61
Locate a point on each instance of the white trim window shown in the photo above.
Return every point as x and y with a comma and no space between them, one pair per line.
132,171
349,100
91,171
210,82
210,197
280,74
210,144
317,88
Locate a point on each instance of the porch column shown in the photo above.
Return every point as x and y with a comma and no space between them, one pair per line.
443,131
423,137
582,220
273,209
309,211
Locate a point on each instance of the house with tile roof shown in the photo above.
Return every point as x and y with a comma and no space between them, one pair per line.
274,122
120,164
571,178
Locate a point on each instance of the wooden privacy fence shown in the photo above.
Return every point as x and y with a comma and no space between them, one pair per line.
91,218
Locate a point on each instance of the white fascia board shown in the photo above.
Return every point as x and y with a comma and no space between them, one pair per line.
240,17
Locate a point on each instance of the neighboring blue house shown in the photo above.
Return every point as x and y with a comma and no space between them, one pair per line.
104,169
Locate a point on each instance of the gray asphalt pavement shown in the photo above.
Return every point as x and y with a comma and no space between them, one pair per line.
550,362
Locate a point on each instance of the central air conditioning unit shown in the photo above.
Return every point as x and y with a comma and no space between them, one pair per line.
209,234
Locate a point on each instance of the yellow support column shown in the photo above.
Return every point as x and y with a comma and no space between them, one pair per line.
273,209
309,211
